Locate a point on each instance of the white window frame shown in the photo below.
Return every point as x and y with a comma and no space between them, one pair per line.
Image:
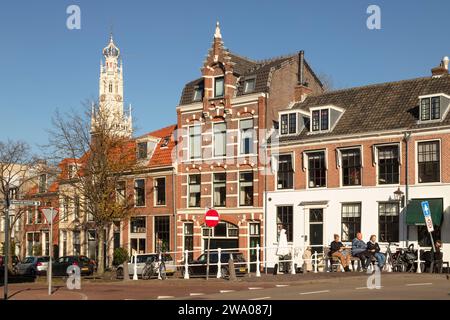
305,159
277,157
155,196
239,187
339,159
416,162
214,140
190,142
214,86
375,161
320,119
189,191
135,194
287,113
240,137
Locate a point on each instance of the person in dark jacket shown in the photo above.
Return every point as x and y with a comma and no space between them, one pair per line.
338,250
359,249
435,257
374,249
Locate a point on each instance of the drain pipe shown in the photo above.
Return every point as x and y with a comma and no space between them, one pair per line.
406,138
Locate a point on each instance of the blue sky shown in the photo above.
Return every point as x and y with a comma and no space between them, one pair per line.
44,66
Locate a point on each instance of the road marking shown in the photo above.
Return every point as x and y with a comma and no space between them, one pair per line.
129,299
165,297
362,288
255,288
262,298
197,294
419,284
225,291
281,285
83,296
313,292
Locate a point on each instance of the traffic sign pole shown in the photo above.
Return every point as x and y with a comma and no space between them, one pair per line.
211,220
428,221
50,214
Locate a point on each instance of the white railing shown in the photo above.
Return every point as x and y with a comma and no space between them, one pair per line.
295,257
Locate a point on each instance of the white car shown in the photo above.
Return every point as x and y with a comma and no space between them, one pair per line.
32,266
142,259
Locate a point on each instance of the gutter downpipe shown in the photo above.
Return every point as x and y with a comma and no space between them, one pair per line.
174,203
406,137
265,191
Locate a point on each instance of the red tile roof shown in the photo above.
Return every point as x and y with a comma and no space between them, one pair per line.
162,156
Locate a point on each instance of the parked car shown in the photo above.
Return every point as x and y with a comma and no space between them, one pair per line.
87,266
198,267
15,260
142,259
32,266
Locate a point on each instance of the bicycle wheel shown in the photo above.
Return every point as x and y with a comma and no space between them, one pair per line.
146,272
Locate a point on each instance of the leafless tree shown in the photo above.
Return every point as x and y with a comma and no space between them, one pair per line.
93,157
18,172
327,81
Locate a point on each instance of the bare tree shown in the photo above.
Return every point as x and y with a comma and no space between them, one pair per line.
94,154
18,172
327,81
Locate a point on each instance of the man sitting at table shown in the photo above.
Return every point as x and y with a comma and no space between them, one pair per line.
338,250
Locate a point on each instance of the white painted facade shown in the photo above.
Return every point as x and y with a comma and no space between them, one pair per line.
367,196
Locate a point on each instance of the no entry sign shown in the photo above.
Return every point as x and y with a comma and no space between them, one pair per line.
211,218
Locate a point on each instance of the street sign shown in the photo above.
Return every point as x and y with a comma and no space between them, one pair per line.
49,214
25,202
427,214
211,218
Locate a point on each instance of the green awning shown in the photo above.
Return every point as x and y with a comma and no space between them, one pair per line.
414,214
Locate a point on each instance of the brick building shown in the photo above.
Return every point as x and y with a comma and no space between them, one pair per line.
223,118
362,159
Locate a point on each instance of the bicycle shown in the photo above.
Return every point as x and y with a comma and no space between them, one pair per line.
154,268
395,259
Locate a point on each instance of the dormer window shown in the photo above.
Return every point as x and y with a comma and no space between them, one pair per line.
218,87
320,120
430,108
142,150
198,93
249,85
288,123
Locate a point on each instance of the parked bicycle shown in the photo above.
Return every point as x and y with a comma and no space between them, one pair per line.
155,268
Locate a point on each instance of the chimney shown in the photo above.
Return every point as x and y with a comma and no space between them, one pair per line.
442,69
301,90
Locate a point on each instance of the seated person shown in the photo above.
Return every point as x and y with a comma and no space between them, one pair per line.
359,249
437,257
374,248
337,249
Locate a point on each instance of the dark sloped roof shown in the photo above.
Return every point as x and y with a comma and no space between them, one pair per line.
245,68
378,107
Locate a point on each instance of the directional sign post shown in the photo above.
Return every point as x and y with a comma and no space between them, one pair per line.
50,214
25,202
428,221
211,220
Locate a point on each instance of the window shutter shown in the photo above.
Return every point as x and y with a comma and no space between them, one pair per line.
326,159
338,158
274,163
374,155
304,161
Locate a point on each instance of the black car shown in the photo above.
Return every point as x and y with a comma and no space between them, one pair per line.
86,265
198,267
15,260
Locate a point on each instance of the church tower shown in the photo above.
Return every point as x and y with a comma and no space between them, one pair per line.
111,105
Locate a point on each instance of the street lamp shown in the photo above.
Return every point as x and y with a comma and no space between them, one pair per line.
400,197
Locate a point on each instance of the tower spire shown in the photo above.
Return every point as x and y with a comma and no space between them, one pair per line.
217,34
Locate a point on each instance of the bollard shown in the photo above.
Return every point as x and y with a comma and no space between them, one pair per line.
219,267
135,276
315,261
186,265
418,259
159,268
292,260
258,271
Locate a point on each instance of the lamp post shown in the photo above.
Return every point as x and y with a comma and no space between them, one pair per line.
400,197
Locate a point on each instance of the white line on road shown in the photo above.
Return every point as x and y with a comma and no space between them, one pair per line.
361,288
197,294
313,292
165,297
281,285
262,298
419,284
255,288
225,291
